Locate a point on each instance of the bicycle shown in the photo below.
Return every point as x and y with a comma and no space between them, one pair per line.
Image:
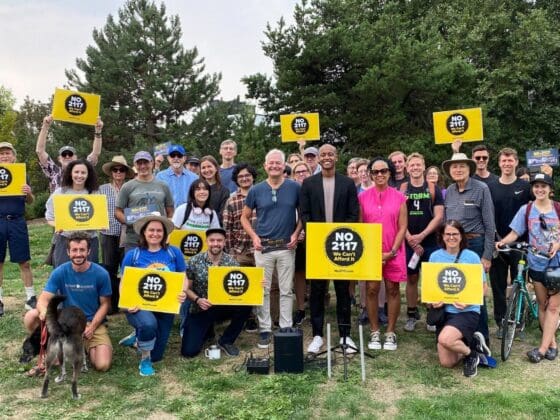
521,307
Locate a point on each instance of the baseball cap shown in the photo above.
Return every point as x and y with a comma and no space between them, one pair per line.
6,145
215,230
311,151
176,148
67,149
194,160
544,178
142,155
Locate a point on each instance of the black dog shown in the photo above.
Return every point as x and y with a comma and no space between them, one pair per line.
66,343
31,346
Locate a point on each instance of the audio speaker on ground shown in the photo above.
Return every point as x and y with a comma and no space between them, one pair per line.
288,350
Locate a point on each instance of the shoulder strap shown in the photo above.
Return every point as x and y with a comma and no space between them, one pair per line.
186,216
527,212
557,208
404,187
432,190
171,253
135,256
457,257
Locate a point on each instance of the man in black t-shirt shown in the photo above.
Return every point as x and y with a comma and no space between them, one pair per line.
425,215
509,193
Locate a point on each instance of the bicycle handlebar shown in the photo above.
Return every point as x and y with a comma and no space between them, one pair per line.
523,248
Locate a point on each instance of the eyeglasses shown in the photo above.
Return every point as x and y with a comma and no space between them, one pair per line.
304,171
542,220
376,172
176,155
67,154
481,158
451,234
244,176
118,169
274,196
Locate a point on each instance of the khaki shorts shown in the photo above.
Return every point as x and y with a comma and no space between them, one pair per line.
100,336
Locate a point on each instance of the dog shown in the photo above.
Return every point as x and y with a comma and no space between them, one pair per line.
66,343
31,346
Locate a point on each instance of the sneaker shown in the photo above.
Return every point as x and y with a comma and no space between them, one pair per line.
374,340
229,349
535,356
31,303
1,308
146,368
410,324
430,327
129,340
499,332
470,364
363,318
264,340
390,341
251,325
551,353
480,344
351,346
315,345
298,318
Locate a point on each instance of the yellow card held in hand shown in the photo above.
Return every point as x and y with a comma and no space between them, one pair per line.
452,283
343,251
80,212
190,242
76,107
459,124
235,285
151,290
12,178
296,127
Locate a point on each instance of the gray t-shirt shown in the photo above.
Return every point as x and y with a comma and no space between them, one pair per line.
136,193
328,193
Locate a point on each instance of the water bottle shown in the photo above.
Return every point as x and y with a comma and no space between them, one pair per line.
413,262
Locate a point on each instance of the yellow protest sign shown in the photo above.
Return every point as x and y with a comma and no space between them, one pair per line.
12,178
235,285
343,251
151,290
452,283
190,242
80,212
459,124
296,127
76,107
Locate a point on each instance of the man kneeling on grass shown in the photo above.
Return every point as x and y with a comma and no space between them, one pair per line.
202,313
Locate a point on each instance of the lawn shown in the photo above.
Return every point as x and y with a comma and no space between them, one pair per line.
404,384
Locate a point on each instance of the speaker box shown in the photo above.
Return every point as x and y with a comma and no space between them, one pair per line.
288,350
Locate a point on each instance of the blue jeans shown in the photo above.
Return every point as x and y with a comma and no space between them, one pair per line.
477,245
152,331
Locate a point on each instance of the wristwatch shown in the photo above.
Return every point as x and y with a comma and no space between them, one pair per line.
393,253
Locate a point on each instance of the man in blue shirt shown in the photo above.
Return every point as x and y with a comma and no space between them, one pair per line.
228,151
87,286
177,177
275,237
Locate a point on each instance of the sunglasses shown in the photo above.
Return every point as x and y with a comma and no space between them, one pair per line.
176,155
67,154
274,196
376,172
542,220
118,169
481,158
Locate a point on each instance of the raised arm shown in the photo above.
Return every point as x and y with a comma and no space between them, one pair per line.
41,146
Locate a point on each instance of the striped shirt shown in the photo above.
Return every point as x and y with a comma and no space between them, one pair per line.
237,240
111,194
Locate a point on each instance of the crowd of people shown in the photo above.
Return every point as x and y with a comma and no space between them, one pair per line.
250,223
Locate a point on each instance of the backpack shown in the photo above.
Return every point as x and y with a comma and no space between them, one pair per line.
136,255
556,205
188,212
431,189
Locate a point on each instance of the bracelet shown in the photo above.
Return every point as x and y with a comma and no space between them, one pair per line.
196,300
97,134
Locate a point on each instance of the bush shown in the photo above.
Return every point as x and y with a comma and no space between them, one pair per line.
36,209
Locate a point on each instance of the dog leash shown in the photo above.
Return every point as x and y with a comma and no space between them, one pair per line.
43,347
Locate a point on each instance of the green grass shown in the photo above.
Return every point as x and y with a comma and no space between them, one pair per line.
404,384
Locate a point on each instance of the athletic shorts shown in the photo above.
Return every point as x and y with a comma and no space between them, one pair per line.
100,336
466,322
13,234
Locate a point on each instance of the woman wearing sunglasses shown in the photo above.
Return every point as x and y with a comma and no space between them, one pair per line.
541,223
112,252
385,205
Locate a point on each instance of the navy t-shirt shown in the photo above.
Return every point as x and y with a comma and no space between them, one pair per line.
276,210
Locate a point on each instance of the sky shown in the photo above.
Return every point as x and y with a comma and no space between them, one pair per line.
42,38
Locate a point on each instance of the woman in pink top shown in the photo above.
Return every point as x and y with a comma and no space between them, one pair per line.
385,205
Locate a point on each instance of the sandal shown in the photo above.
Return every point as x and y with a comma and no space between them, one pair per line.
35,372
551,353
535,356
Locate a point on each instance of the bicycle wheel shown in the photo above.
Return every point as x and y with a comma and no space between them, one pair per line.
510,321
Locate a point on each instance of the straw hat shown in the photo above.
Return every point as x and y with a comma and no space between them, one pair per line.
458,158
117,161
140,223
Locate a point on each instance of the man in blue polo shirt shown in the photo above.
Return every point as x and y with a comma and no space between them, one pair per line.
177,177
13,231
275,237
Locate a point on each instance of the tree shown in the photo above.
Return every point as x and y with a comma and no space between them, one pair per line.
7,115
147,80
375,71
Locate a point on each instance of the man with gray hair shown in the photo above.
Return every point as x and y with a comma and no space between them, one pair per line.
274,237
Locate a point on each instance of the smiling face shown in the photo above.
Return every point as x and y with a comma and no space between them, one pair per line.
327,157
432,175
201,195
541,190
216,243
143,168
274,165
154,233
508,164
176,161
380,174
363,174
459,172
451,239
228,151
7,155
79,176
399,162
415,168
118,173
208,171
78,252
481,158
245,179
300,172
66,157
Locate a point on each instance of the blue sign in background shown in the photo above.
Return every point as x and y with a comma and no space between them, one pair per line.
542,157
